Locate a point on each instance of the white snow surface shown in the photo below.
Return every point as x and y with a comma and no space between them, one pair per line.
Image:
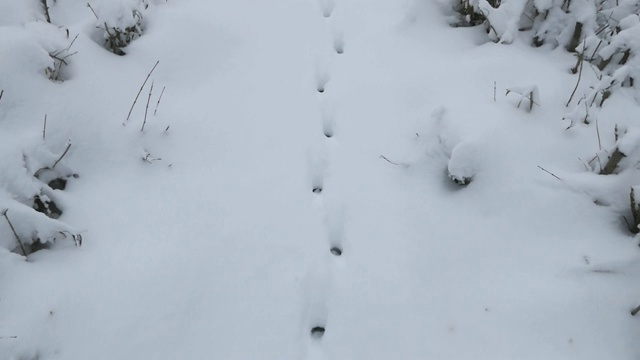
203,238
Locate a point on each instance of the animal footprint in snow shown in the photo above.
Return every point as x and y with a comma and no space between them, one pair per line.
336,251
338,43
327,7
323,79
327,124
317,332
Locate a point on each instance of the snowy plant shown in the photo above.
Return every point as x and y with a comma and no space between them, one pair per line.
625,153
526,96
605,34
121,22
634,199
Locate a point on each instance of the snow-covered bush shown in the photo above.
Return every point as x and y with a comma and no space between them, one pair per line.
28,202
121,22
603,33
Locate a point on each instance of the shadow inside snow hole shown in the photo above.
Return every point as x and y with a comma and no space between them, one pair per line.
54,179
42,204
453,185
317,332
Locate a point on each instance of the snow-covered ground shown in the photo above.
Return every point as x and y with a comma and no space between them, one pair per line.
295,176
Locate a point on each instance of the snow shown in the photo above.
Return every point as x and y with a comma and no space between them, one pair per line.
203,237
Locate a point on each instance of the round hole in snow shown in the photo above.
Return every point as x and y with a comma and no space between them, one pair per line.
317,332
336,251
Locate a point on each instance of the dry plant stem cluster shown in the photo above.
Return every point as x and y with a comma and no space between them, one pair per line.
140,91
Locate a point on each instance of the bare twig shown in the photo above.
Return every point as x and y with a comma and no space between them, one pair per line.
146,109
22,248
581,60
391,162
158,103
61,156
548,172
1,93
8,337
67,48
598,133
46,10
44,128
635,311
140,91
494,91
93,11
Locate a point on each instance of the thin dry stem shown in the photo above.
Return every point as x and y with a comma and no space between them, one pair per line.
22,248
158,103
61,156
146,109
579,78
46,10
548,172
140,91
93,11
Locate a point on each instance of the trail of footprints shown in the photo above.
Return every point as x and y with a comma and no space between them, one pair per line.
319,311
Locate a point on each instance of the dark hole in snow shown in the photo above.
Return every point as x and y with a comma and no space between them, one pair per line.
317,332
58,184
46,207
317,190
320,89
36,245
461,180
336,251
328,134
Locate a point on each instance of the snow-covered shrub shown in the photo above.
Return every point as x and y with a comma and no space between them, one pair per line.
634,196
527,96
604,34
28,207
623,154
121,22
